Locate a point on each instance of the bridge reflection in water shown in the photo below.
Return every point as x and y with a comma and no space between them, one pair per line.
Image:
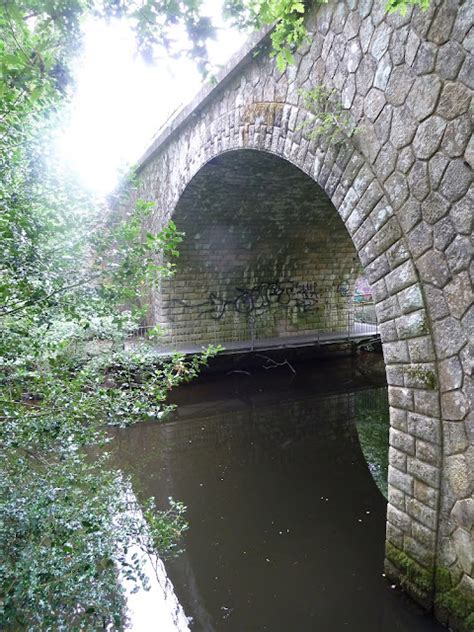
287,525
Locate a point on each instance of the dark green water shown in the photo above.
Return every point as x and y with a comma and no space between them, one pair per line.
286,515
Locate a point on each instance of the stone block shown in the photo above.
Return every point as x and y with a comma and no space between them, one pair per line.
398,419
394,535
454,100
382,74
397,188
424,96
458,475
457,136
410,299
406,158
418,551
397,254
409,214
462,215
428,453
401,277
427,138
420,239
397,459
388,333
424,427
402,482
463,513
399,85
464,546
375,271
395,352
433,268
427,403
456,180
365,33
454,405
443,233
436,300
467,72
425,536
424,514
426,495
402,441
449,337
450,58
425,58
403,130
396,498
455,438
412,325
400,397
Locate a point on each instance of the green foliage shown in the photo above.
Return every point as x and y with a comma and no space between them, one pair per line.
287,20
68,267
402,5
329,120
286,16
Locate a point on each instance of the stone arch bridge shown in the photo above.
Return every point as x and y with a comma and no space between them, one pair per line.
279,222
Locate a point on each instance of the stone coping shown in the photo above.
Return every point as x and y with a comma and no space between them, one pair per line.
181,116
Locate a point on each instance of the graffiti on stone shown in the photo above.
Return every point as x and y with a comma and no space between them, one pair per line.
255,301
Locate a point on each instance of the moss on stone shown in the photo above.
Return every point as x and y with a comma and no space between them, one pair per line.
412,574
442,580
458,604
424,376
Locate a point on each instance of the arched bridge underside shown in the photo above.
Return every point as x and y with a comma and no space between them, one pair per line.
263,201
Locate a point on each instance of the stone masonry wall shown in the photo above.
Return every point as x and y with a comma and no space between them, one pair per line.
264,255
403,187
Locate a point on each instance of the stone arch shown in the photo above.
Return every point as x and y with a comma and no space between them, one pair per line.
365,207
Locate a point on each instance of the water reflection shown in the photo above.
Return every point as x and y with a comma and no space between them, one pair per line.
372,423
286,523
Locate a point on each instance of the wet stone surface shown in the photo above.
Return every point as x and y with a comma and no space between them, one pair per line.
287,523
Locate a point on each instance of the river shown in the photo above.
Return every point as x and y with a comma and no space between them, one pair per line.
283,471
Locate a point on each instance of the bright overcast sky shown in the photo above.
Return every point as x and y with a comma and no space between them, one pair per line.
120,101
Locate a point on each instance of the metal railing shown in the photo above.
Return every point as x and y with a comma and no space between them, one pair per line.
336,322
